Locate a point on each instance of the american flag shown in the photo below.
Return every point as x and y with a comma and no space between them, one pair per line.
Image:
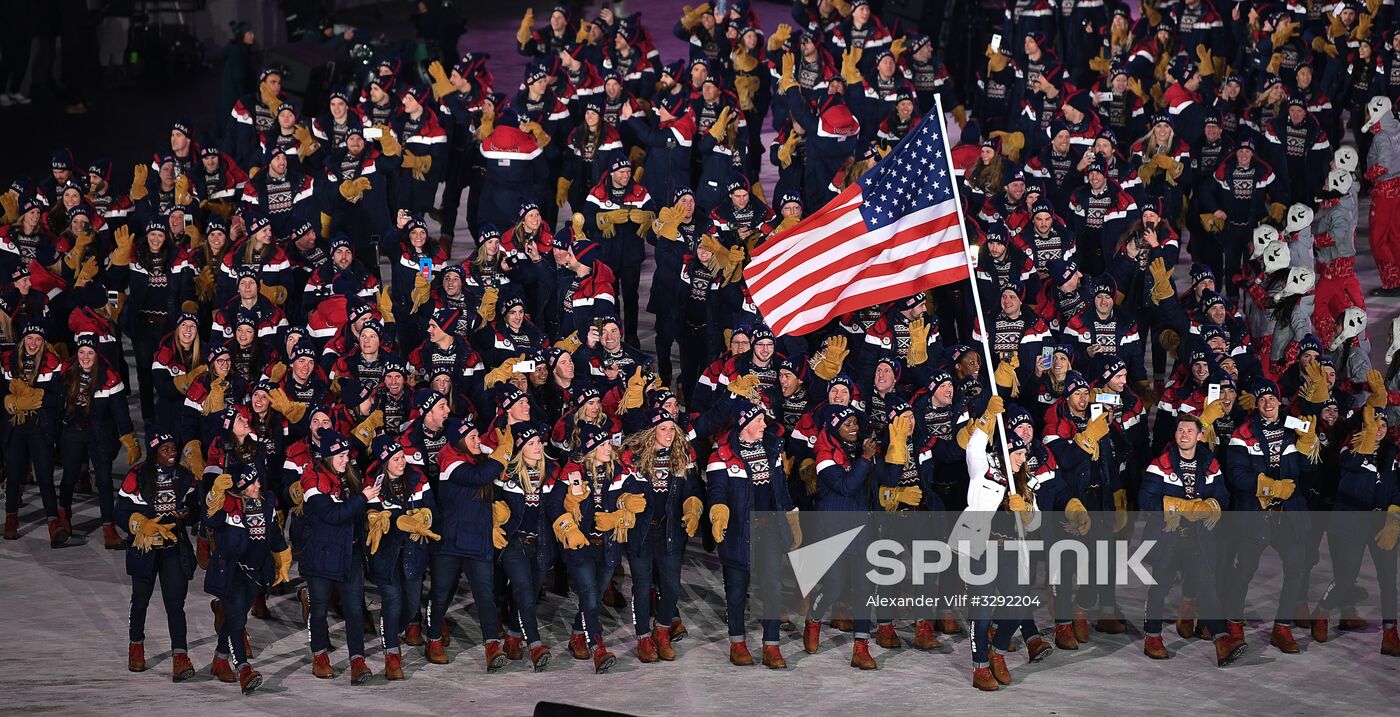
895,232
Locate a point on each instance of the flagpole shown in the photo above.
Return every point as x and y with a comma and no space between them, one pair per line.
977,301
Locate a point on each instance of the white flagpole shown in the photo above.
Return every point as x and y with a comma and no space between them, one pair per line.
981,321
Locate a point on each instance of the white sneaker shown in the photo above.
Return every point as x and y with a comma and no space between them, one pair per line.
20,99
6,100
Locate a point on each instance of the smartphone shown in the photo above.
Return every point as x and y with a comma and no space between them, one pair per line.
996,42
373,133
113,297
1095,410
1109,399
425,267
526,366
1295,423
1212,393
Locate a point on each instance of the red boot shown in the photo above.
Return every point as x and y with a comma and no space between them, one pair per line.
925,638
811,636
515,648
249,679
436,654
539,657
259,609
1081,625
602,659
495,656
65,519
110,539
1152,647
1186,619
773,658
677,630
1390,642
886,637
359,671
217,607
393,666
662,638
136,657
983,680
11,526
646,650
181,668
860,655
1282,638
321,666
739,654
1236,628
1037,649
999,670
57,534
221,669
1065,638
413,635
578,646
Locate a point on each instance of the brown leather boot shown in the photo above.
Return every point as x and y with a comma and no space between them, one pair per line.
1228,648
811,636
578,646
739,654
662,638
304,597
1236,628
247,645
393,666
860,655
1390,642
495,656
249,680
259,609
221,669
217,607
1037,649
65,519
612,597
1319,626
136,657
539,657
11,526
646,650
773,658
1064,637
110,539
321,667
515,648
413,635
948,625
181,668
983,679
677,630
201,554
844,624
886,637
1152,647
359,671
1282,638
999,671
1110,625
436,654
446,632
925,638
1186,619
1350,622
604,660
57,535
1303,619
1081,625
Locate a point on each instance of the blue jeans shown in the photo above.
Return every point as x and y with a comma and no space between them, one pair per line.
1192,555
236,603
1010,619
653,565
173,587
400,601
517,561
585,576
352,601
480,575
736,598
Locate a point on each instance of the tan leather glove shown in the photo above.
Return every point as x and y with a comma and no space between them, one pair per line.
378,526
746,386
891,497
1089,438
779,36
183,381
1120,510
354,189
275,294
668,223
719,521
133,449
500,513
192,457
785,80
502,373
829,363
690,515
487,309
1375,384
505,446
567,533
1161,281
281,566
850,65
442,87
121,255
561,192
148,533
1390,534
367,429
204,283
1307,440
419,295
388,144
1077,520
634,393
522,35
214,502
918,341
690,17
417,522
721,125
1006,376
1213,412
306,144
901,428
138,182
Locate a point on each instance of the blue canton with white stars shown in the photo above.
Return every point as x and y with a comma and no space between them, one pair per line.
915,176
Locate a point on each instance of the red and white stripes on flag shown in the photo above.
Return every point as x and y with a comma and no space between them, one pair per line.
832,262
